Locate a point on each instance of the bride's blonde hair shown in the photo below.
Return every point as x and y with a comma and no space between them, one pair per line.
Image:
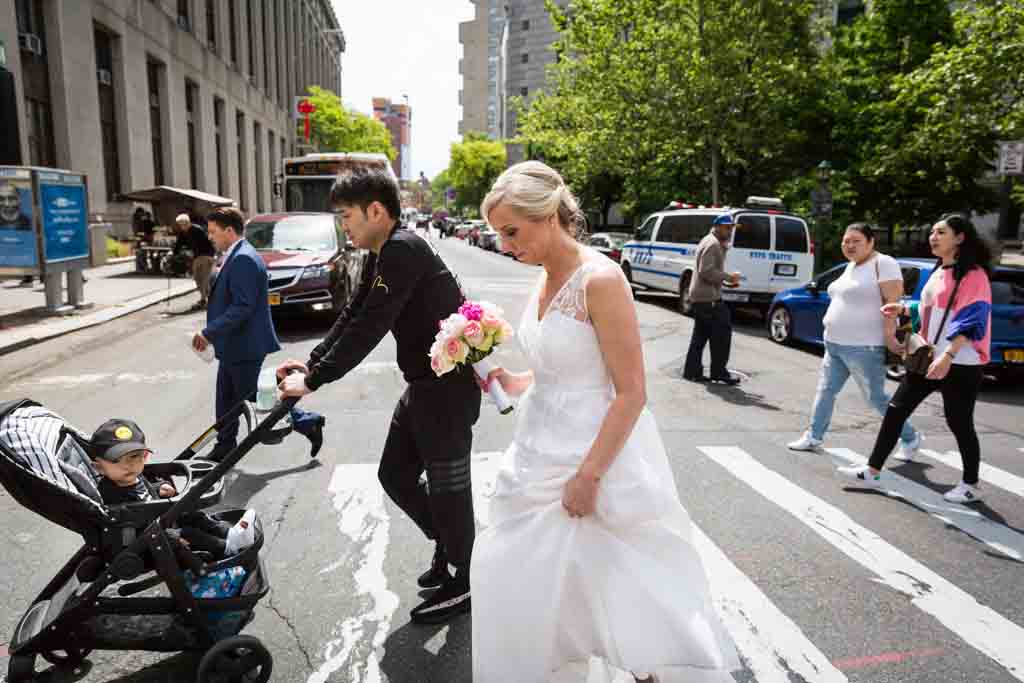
537,191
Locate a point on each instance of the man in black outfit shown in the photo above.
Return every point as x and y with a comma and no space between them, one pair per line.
407,289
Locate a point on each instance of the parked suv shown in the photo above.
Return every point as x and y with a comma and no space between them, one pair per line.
770,247
311,263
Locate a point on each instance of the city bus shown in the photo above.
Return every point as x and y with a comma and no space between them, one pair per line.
306,181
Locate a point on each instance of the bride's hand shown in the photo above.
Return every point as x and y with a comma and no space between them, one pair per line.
514,384
580,495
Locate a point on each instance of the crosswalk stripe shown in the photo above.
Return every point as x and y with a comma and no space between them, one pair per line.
770,643
999,537
981,627
986,473
363,519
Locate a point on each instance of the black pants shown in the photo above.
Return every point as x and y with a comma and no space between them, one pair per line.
712,322
959,393
432,431
235,382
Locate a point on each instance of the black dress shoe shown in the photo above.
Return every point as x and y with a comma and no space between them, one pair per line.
695,378
728,380
438,572
316,436
448,601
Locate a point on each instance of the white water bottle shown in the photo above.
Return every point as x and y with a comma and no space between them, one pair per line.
242,534
266,390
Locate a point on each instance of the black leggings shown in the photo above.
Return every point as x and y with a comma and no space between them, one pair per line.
959,393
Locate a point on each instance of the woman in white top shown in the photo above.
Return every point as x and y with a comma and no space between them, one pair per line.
856,335
586,569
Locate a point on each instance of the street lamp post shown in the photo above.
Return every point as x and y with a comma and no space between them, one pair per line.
821,208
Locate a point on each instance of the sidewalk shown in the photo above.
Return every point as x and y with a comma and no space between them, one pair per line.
114,290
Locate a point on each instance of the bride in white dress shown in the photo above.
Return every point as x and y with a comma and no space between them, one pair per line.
587,570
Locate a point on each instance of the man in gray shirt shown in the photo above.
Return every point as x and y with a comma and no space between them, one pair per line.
712,320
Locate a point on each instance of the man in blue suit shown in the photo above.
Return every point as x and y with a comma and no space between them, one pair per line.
239,326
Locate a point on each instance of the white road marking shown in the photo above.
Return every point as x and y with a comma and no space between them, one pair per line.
979,626
363,518
772,645
986,473
999,537
73,381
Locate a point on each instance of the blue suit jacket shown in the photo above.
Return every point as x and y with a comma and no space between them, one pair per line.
238,321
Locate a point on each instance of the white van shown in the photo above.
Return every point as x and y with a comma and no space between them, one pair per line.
771,249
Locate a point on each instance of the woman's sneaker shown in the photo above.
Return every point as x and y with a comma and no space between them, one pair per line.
806,442
908,451
963,493
861,476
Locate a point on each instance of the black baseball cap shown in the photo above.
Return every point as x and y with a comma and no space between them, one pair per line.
115,438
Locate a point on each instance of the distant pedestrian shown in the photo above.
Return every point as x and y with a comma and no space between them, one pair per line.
856,336
194,238
956,317
712,321
239,325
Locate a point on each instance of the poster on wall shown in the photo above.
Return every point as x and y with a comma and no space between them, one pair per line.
65,216
17,238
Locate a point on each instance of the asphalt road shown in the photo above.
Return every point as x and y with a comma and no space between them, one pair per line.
814,583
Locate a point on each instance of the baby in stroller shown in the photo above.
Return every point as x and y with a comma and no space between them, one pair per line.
119,454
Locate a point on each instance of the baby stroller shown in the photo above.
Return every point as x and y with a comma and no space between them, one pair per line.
88,605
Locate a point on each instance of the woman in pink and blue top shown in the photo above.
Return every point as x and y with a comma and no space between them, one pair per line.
961,352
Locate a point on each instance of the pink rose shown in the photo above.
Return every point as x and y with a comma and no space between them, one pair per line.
471,311
490,321
456,350
473,332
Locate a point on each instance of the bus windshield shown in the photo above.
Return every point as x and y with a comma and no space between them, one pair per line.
307,194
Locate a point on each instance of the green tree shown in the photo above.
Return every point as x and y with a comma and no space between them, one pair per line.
439,188
475,165
339,129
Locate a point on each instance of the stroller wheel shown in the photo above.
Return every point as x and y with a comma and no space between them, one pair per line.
21,669
240,659
68,657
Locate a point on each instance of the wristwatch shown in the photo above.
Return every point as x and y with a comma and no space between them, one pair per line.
949,352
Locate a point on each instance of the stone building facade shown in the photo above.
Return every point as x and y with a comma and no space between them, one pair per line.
187,93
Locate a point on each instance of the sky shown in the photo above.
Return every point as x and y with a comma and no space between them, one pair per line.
407,47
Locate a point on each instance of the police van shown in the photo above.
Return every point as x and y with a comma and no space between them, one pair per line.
770,248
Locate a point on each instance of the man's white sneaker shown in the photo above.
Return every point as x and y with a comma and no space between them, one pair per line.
963,493
907,451
806,442
860,476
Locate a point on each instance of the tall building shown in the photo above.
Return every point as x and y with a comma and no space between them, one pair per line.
191,93
482,94
398,119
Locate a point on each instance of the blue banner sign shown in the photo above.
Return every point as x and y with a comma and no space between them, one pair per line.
62,202
17,236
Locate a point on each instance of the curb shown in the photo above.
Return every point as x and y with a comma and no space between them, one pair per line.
91,320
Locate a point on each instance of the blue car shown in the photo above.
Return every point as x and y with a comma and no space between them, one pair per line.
796,314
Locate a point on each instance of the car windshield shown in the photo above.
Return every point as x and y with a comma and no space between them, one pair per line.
1008,288
294,233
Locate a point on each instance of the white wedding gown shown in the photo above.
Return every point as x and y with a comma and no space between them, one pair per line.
587,600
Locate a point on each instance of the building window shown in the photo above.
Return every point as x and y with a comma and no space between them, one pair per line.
154,72
218,144
211,24
257,145
251,34
526,24
524,91
526,57
104,43
243,168
36,83
272,165
191,119
232,30
266,47
184,17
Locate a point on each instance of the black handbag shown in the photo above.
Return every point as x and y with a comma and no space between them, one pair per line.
919,353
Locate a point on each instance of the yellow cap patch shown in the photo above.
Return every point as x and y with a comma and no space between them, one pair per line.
123,433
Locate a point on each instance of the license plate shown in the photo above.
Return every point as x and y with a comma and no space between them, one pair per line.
275,299
729,296
1014,356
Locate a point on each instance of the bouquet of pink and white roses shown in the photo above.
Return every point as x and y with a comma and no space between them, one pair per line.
469,336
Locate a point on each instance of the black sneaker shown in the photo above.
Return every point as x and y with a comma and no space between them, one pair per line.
438,572
448,601
728,380
695,378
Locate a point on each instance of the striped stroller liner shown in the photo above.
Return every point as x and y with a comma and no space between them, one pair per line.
49,448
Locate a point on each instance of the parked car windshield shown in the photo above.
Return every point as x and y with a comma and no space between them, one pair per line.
1008,287
294,233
